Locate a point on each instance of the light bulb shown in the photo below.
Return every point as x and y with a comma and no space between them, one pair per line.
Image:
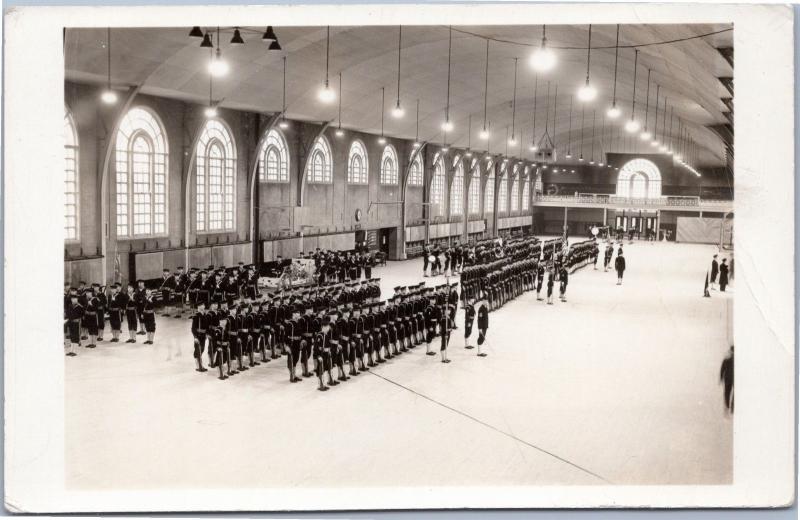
326,94
543,59
632,126
339,132
644,136
534,147
398,111
284,124
512,142
217,66
210,112
569,155
484,134
416,144
445,149
468,154
591,162
109,97
678,158
580,158
654,143
613,112
447,126
663,148
381,140
544,166
600,163
587,93
555,170
573,171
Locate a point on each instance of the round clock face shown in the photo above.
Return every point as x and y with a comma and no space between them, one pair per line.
358,215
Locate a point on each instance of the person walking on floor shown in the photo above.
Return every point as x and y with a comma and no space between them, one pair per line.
726,377
714,272
619,266
723,275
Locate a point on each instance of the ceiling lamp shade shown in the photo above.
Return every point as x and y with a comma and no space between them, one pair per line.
196,32
543,59
274,46
237,37
206,43
269,35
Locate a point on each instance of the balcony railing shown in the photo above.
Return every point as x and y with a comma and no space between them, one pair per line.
594,199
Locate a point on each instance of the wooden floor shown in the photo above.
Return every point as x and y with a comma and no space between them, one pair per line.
618,385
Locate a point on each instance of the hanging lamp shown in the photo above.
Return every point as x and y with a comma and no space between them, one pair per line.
326,94
108,96
632,125
587,92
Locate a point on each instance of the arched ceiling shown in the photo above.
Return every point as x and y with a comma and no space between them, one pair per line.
169,63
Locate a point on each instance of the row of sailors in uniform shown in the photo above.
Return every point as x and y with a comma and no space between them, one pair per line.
359,335
504,280
85,313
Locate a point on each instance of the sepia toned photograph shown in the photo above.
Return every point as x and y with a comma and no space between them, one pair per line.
365,263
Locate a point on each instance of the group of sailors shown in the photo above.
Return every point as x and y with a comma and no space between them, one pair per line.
342,266
619,261
342,327
723,270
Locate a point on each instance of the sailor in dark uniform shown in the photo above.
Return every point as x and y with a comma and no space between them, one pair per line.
563,278
74,316
149,316
469,319
608,253
551,278
116,306
294,326
101,304
482,321
131,315
139,298
200,324
445,327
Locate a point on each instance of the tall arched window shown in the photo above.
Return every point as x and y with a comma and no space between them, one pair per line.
215,178
357,165
437,185
538,186
141,164
639,178
502,190
457,190
515,194
526,192
273,161
488,201
389,166
415,176
474,195
70,178
320,163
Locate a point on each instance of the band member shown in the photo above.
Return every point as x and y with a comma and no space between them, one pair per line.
293,326
90,317
139,298
220,336
619,265
539,280
131,314
551,275
102,303
483,324
149,316
181,287
469,318
116,306
199,330
74,316
563,278
167,287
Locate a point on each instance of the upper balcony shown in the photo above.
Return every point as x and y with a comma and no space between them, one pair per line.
610,201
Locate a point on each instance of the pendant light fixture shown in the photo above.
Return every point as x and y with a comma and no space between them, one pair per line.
569,132
543,59
580,158
555,119
645,135
269,35
602,135
654,142
632,125
594,124
469,138
587,92
196,32
283,123
326,94
447,125
339,131
677,154
217,66
416,136
207,42
513,140
237,37
614,112
445,148
485,131
211,109
671,146
663,148
108,96
382,139
535,93
398,111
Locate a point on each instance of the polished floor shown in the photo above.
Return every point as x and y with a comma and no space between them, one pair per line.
617,385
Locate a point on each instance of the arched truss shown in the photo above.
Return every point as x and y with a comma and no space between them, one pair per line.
639,178
215,178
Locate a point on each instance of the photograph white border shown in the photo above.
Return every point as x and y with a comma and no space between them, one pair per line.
764,424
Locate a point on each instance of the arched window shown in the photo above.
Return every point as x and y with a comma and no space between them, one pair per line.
320,162
273,161
474,196
437,185
457,191
141,164
389,166
502,193
526,192
357,166
488,201
215,178
538,187
70,178
639,178
415,177
515,193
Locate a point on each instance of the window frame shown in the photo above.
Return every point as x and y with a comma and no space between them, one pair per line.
389,154
72,144
321,148
282,149
358,151
216,134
